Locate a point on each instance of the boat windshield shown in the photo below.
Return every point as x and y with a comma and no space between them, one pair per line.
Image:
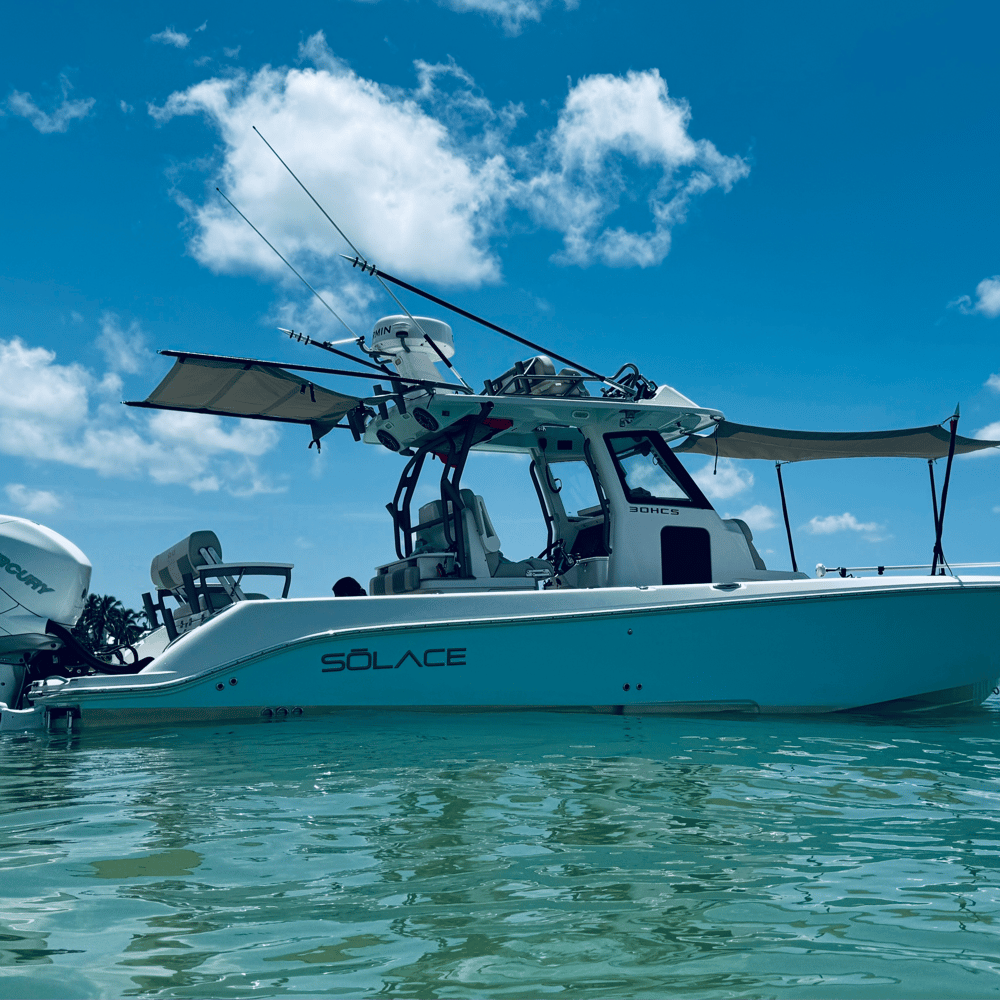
574,481
649,471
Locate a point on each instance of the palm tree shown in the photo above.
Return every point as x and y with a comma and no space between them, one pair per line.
106,623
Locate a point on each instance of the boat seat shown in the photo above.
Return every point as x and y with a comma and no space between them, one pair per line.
483,557
744,528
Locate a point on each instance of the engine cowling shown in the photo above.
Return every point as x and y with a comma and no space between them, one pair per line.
42,576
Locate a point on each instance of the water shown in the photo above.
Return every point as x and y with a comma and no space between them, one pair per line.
505,856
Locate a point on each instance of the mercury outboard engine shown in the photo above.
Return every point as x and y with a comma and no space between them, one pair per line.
43,578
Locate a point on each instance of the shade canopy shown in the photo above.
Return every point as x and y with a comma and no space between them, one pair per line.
241,387
731,440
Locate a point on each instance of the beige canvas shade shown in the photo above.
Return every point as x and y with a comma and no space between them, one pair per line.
731,440
234,387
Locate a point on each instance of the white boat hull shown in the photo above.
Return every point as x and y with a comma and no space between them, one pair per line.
788,646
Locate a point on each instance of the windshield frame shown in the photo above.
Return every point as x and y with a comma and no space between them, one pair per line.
669,463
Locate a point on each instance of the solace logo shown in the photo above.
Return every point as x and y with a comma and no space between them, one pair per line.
368,659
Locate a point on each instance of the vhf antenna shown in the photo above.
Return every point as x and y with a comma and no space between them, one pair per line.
325,344
360,256
289,266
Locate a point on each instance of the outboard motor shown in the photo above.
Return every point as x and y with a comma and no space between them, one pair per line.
43,577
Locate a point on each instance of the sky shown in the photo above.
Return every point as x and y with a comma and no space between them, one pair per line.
788,212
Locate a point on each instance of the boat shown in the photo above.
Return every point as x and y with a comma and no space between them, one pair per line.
644,600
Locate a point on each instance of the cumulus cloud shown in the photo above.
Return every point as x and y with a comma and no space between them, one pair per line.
759,517
171,37
607,119
987,300
991,432
993,382
387,171
424,180
52,412
59,117
124,347
32,501
844,522
725,481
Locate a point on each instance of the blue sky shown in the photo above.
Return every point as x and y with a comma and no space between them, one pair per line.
789,214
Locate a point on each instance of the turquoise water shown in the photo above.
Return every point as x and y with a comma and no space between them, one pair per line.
517,855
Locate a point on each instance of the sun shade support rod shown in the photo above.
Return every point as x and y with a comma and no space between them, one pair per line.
939,527
784,511
416,382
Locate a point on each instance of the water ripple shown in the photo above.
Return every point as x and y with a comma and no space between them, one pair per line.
506,855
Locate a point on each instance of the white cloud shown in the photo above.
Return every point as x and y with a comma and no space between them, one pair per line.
233,52
125,349
64,413
987,300
759,517
423,180
511,14
126,108
56,120
605,120
839,522
201,27
171,37
991,432
388,172
993,382
32,501
350,301
726,481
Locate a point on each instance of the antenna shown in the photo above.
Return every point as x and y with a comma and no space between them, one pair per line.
371,269
331,346
292,269
357,253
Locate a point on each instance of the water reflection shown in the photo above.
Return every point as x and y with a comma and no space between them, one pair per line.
427,856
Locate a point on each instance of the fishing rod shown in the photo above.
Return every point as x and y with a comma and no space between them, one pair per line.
410,315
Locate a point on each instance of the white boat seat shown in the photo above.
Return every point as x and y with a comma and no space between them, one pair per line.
743,527
486,562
